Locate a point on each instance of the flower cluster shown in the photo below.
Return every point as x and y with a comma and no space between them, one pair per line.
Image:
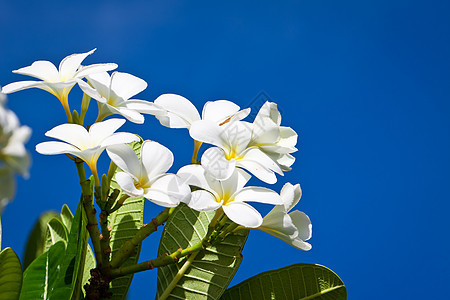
239,149
14,158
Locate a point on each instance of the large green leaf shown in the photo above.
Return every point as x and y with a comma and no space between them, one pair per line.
40,277
212,269
56,232
66,216
72,265
10,274
36,240
125,222
299,281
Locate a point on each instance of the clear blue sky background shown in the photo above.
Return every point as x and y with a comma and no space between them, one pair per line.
364,83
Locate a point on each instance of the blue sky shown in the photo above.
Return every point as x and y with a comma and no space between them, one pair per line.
366,84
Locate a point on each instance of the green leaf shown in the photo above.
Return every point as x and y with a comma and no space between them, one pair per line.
36,240
72,266
56,232
125,222
1,233
212,269
299,281
40,277
66,216
10,274
88,265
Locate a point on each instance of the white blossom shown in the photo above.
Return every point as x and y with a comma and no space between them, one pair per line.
148,177
229,194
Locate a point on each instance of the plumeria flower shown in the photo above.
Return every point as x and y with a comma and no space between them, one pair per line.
292,227
274,140
13,136
87,145
181,113
229,194
59,81
233,150
148,177
113,93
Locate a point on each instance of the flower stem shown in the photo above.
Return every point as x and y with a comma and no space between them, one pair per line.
197,146
88,205
65,103
128,247
104,243
84,107
160,261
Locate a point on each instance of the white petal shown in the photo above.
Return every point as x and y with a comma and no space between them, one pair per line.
238,135
288,137
84,71
22,85
58,88
126,159
259,164
129,114
41,69
303,224
126,85
235,182
301,245
181,112
278,223
215,163
258,194
73,134
265,132
195,175
285,160
168,191
209,132
70,64
203,201
51,148
88,90
269,110
219,111
126,183
101,82
156,158
240,115
120,138
101,130
290,194
144,107
243,214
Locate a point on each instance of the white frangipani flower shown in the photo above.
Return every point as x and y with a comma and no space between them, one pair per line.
13,136
229,194
292,227
148,177
87,145
181,113
232,140
113,93
274,140
60,81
